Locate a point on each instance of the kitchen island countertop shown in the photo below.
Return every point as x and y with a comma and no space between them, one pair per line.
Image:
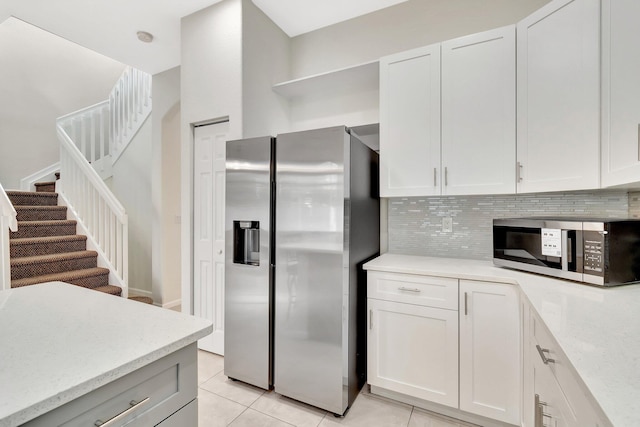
598,329
61,341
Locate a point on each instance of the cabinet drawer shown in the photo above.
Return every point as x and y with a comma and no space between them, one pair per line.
142,398
544,347
185,417
430,291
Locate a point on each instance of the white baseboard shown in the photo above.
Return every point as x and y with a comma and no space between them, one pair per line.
48,173
143,293
172,304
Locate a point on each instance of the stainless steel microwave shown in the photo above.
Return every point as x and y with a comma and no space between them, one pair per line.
598,252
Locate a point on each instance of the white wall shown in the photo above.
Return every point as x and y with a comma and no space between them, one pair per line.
42,77
265,62
349,109
131,184
165,188
210,89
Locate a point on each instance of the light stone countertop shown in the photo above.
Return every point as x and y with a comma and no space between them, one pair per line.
61,341
598,329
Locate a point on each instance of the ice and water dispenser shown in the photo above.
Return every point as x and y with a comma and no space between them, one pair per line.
246,242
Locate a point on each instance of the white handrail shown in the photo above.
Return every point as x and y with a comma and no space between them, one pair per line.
8,221
97,210
130,105
88,129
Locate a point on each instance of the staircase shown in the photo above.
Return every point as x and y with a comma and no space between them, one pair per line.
46,248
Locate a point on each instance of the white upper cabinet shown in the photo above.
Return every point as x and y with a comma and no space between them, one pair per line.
558,65
410,123
479,113
620,92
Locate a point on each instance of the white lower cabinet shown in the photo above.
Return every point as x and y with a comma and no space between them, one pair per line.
554,396
462,354
414,350
490,350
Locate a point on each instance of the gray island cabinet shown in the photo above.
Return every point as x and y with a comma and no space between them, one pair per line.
73,356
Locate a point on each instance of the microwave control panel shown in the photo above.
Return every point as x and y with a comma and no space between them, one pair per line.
593,253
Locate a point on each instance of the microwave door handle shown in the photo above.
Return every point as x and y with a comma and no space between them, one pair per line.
565,249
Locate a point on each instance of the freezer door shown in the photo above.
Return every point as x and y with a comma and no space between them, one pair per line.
311,267
248,263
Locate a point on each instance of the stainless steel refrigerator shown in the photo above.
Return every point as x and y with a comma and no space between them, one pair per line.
302,216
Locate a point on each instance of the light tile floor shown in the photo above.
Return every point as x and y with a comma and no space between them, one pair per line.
222,402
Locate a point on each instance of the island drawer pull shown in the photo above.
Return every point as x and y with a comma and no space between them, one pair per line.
541,352
133,405
404,288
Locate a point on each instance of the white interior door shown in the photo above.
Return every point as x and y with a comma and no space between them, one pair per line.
208,230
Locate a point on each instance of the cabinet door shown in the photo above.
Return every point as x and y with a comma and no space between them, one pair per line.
413,350
620,92
559,97
551,407
410,123
479,113
490,372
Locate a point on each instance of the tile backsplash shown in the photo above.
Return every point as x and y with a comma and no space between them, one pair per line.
415,223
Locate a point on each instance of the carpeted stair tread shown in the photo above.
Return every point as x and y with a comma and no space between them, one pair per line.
33,198
45,186
88,278
46,248
33,246
109,289
41,213
44,228
52,263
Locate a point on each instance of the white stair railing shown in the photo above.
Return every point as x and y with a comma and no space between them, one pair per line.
89,130
129,106
8,222
91,140
99,213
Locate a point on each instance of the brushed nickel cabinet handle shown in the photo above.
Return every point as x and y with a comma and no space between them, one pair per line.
466,305
519,172
537,422
111,421
446,176
541,352
435,173
403,288
370,319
